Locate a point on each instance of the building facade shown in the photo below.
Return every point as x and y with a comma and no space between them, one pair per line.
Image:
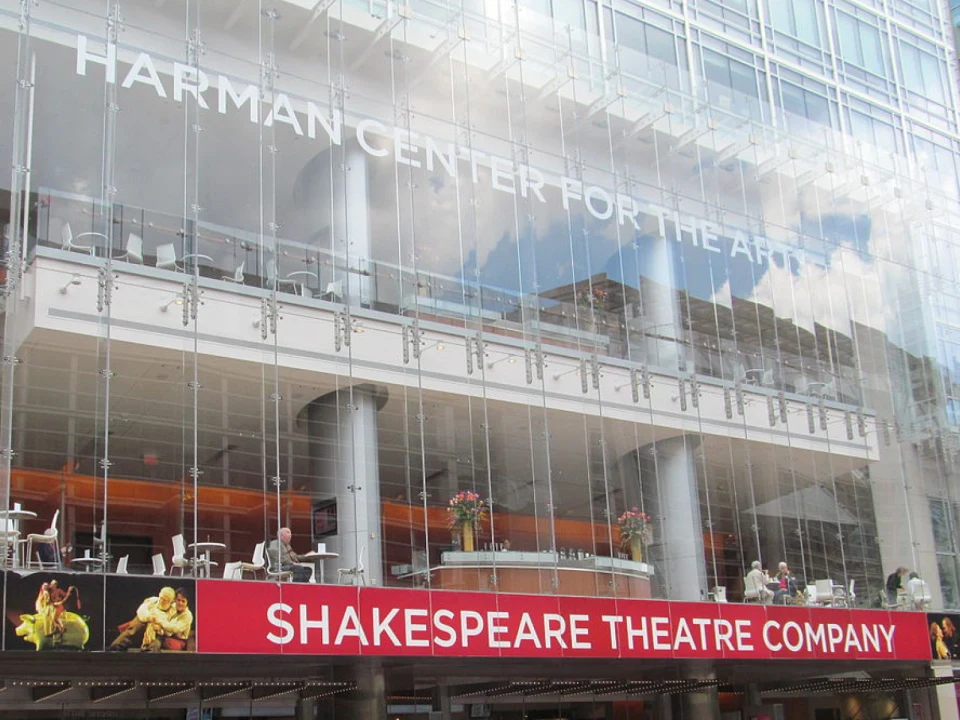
585,304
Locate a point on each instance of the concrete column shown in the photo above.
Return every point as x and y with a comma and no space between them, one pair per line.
352,225
661,309
342,427
368,699
946,695
678,531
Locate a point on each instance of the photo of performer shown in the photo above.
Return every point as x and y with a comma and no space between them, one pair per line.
164,622
945,638
52,626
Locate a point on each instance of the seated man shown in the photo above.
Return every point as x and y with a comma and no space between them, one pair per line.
147,623
757,580
284,559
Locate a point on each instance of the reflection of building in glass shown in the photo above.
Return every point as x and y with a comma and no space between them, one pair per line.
326,266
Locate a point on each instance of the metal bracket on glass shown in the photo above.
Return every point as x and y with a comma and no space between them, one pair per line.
695,392
595,371
105,281
782,405
848,424
468,346
811,424
771,414
681,393
741,401
885,431
861,423
822,412
342,329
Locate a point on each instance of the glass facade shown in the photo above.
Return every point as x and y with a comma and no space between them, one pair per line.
327,265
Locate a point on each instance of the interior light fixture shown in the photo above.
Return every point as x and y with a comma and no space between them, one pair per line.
75,280
358,327
178,300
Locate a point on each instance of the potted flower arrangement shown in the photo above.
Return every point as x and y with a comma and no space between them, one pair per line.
635,528
466,510
595,299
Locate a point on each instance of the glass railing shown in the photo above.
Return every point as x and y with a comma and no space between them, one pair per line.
570,318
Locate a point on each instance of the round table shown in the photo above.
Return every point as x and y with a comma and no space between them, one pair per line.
86,564
318,558
13,533
201,552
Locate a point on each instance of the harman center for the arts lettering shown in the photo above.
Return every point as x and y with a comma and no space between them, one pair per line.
416,150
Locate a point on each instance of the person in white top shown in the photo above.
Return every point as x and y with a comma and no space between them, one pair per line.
757,580
915,588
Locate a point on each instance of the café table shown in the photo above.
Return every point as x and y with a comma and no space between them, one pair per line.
13,518
317,559
202,550
87,564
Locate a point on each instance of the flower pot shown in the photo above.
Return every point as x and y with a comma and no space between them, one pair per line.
636,549
467,534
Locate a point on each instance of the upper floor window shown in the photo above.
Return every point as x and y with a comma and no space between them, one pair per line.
921,72
860,43
797,19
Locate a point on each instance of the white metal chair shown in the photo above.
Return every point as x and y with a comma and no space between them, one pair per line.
10,535
122,565
356,574
167,257
334,291
231,570
810,594
133,250
276,574
718,594
67,240
257,562
237,276
50,536
180,560
825,593
159,566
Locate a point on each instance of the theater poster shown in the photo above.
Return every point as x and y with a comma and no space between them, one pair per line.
53,611
150,614
944,631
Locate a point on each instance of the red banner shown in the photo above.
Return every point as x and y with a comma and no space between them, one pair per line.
269,618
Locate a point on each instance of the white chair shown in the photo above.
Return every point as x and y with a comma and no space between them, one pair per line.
718,594
122,565
810,594
257,562
276,574
231,570
159,566
766,380
824,592
167,257
334,291
10,535
283,284
180,560
750,592
50,536
237,276
67,240
356,574
133,250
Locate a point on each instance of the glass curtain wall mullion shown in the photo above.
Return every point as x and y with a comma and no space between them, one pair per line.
15,240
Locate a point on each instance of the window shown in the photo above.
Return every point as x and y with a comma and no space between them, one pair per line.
797,18
804,103
943,521
727,71
921,72
860,43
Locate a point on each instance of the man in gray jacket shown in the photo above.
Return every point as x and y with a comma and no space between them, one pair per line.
283,559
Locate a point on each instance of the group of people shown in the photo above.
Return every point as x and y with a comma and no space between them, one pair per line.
781,589
163,622
912,592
